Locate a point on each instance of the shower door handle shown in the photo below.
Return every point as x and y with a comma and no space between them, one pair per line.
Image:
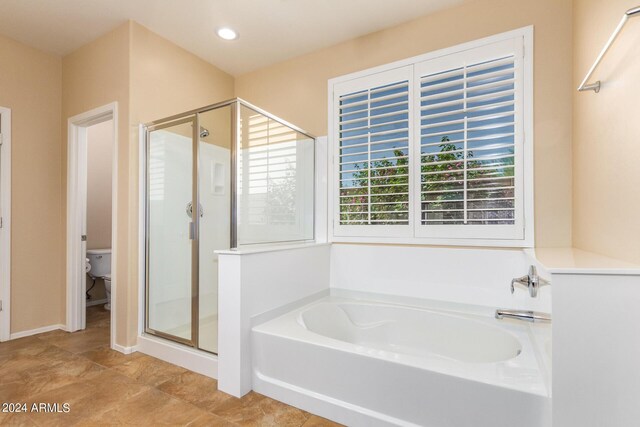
192,231
189,210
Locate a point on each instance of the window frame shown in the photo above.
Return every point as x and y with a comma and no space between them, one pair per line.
521,234
355,85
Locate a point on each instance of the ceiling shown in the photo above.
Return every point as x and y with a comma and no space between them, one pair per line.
270,30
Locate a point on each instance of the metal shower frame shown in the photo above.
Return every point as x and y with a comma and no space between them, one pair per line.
193,116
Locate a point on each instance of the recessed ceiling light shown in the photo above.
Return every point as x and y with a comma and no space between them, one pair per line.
227,33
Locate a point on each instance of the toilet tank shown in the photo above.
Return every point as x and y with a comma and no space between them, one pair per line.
100,260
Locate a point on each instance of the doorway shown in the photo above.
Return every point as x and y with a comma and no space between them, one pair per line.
99,216
91,216
5,224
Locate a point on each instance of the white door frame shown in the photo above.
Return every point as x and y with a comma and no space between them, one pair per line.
5,223
77,214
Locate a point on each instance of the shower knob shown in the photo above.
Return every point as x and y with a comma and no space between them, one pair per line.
190,210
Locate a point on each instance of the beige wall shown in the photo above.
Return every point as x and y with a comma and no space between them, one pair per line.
606,147
296,90
166,79
30,86
99,158
95,75
150,78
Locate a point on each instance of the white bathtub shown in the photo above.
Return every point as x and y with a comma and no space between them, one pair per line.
366,363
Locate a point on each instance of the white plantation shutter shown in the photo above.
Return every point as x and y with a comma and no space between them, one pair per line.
469,106
433,149
372,161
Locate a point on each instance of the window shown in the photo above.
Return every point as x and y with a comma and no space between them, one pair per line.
432,149
373,158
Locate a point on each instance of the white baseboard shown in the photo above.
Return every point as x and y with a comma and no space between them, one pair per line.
36,331
122,349
97,302
194,360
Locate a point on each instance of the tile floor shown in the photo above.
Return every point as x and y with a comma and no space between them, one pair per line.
104,387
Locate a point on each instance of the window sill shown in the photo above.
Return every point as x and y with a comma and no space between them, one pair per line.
500,243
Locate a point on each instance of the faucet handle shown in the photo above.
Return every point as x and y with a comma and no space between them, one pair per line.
535,281
520,281
531,281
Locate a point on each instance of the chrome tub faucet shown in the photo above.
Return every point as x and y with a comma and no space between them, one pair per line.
526,315
532,282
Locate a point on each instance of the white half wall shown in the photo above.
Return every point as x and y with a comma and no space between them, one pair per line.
479,276
596,349
255,286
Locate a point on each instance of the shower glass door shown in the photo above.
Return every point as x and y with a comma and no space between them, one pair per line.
172,250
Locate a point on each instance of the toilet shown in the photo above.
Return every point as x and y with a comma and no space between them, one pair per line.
100,268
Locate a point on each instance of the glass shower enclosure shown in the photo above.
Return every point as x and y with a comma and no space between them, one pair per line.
225,176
